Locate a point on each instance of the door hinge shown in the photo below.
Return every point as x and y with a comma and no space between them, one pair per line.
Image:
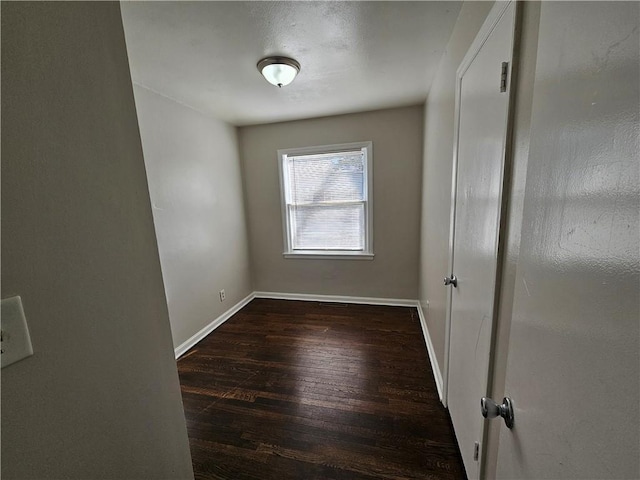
503,76
476,451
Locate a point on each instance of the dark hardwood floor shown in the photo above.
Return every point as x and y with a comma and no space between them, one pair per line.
307,390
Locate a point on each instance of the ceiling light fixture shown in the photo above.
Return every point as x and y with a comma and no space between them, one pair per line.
279,71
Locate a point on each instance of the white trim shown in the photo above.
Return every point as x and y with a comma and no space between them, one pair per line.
367,147
330,256
437,374
189,343
394,302
495,15
194,339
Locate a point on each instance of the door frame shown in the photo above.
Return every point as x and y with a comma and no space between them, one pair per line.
494,16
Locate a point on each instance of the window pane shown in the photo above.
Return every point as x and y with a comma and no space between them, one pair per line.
327,177
327,227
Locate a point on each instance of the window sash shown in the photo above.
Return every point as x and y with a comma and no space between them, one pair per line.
293,246
297,244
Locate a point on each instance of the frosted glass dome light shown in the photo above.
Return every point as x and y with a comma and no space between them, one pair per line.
279,71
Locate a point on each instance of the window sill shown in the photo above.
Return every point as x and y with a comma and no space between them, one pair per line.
330,255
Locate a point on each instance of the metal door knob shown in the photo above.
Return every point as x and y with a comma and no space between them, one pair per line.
452,280
491,409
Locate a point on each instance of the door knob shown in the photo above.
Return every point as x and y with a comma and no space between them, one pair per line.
491,409
452,280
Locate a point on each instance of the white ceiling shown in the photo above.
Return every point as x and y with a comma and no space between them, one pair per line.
354,56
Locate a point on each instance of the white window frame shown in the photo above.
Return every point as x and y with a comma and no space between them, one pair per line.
367,252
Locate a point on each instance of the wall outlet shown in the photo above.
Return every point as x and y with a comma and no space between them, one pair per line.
222,295
14,336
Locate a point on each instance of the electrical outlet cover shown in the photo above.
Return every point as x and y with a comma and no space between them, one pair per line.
16,342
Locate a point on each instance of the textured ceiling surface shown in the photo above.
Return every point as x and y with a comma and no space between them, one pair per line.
354,56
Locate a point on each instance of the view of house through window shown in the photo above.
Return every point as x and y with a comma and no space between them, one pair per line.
326,199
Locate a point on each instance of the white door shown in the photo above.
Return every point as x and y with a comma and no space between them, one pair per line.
482,111
573,365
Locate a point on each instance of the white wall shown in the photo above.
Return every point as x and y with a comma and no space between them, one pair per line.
574,327
572,230
436,173
193,170
100,397
516,170
397,152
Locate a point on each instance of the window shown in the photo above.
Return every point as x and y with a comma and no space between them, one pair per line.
326,203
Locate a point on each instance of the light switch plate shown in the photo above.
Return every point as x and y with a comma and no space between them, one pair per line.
16,342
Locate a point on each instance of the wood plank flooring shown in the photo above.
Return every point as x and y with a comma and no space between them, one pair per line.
307,390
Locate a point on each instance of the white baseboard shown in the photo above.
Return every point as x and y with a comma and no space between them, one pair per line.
437,375
183,347
394,302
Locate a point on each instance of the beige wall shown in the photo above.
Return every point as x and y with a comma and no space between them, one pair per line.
397,154
436,173
193,170
100,396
